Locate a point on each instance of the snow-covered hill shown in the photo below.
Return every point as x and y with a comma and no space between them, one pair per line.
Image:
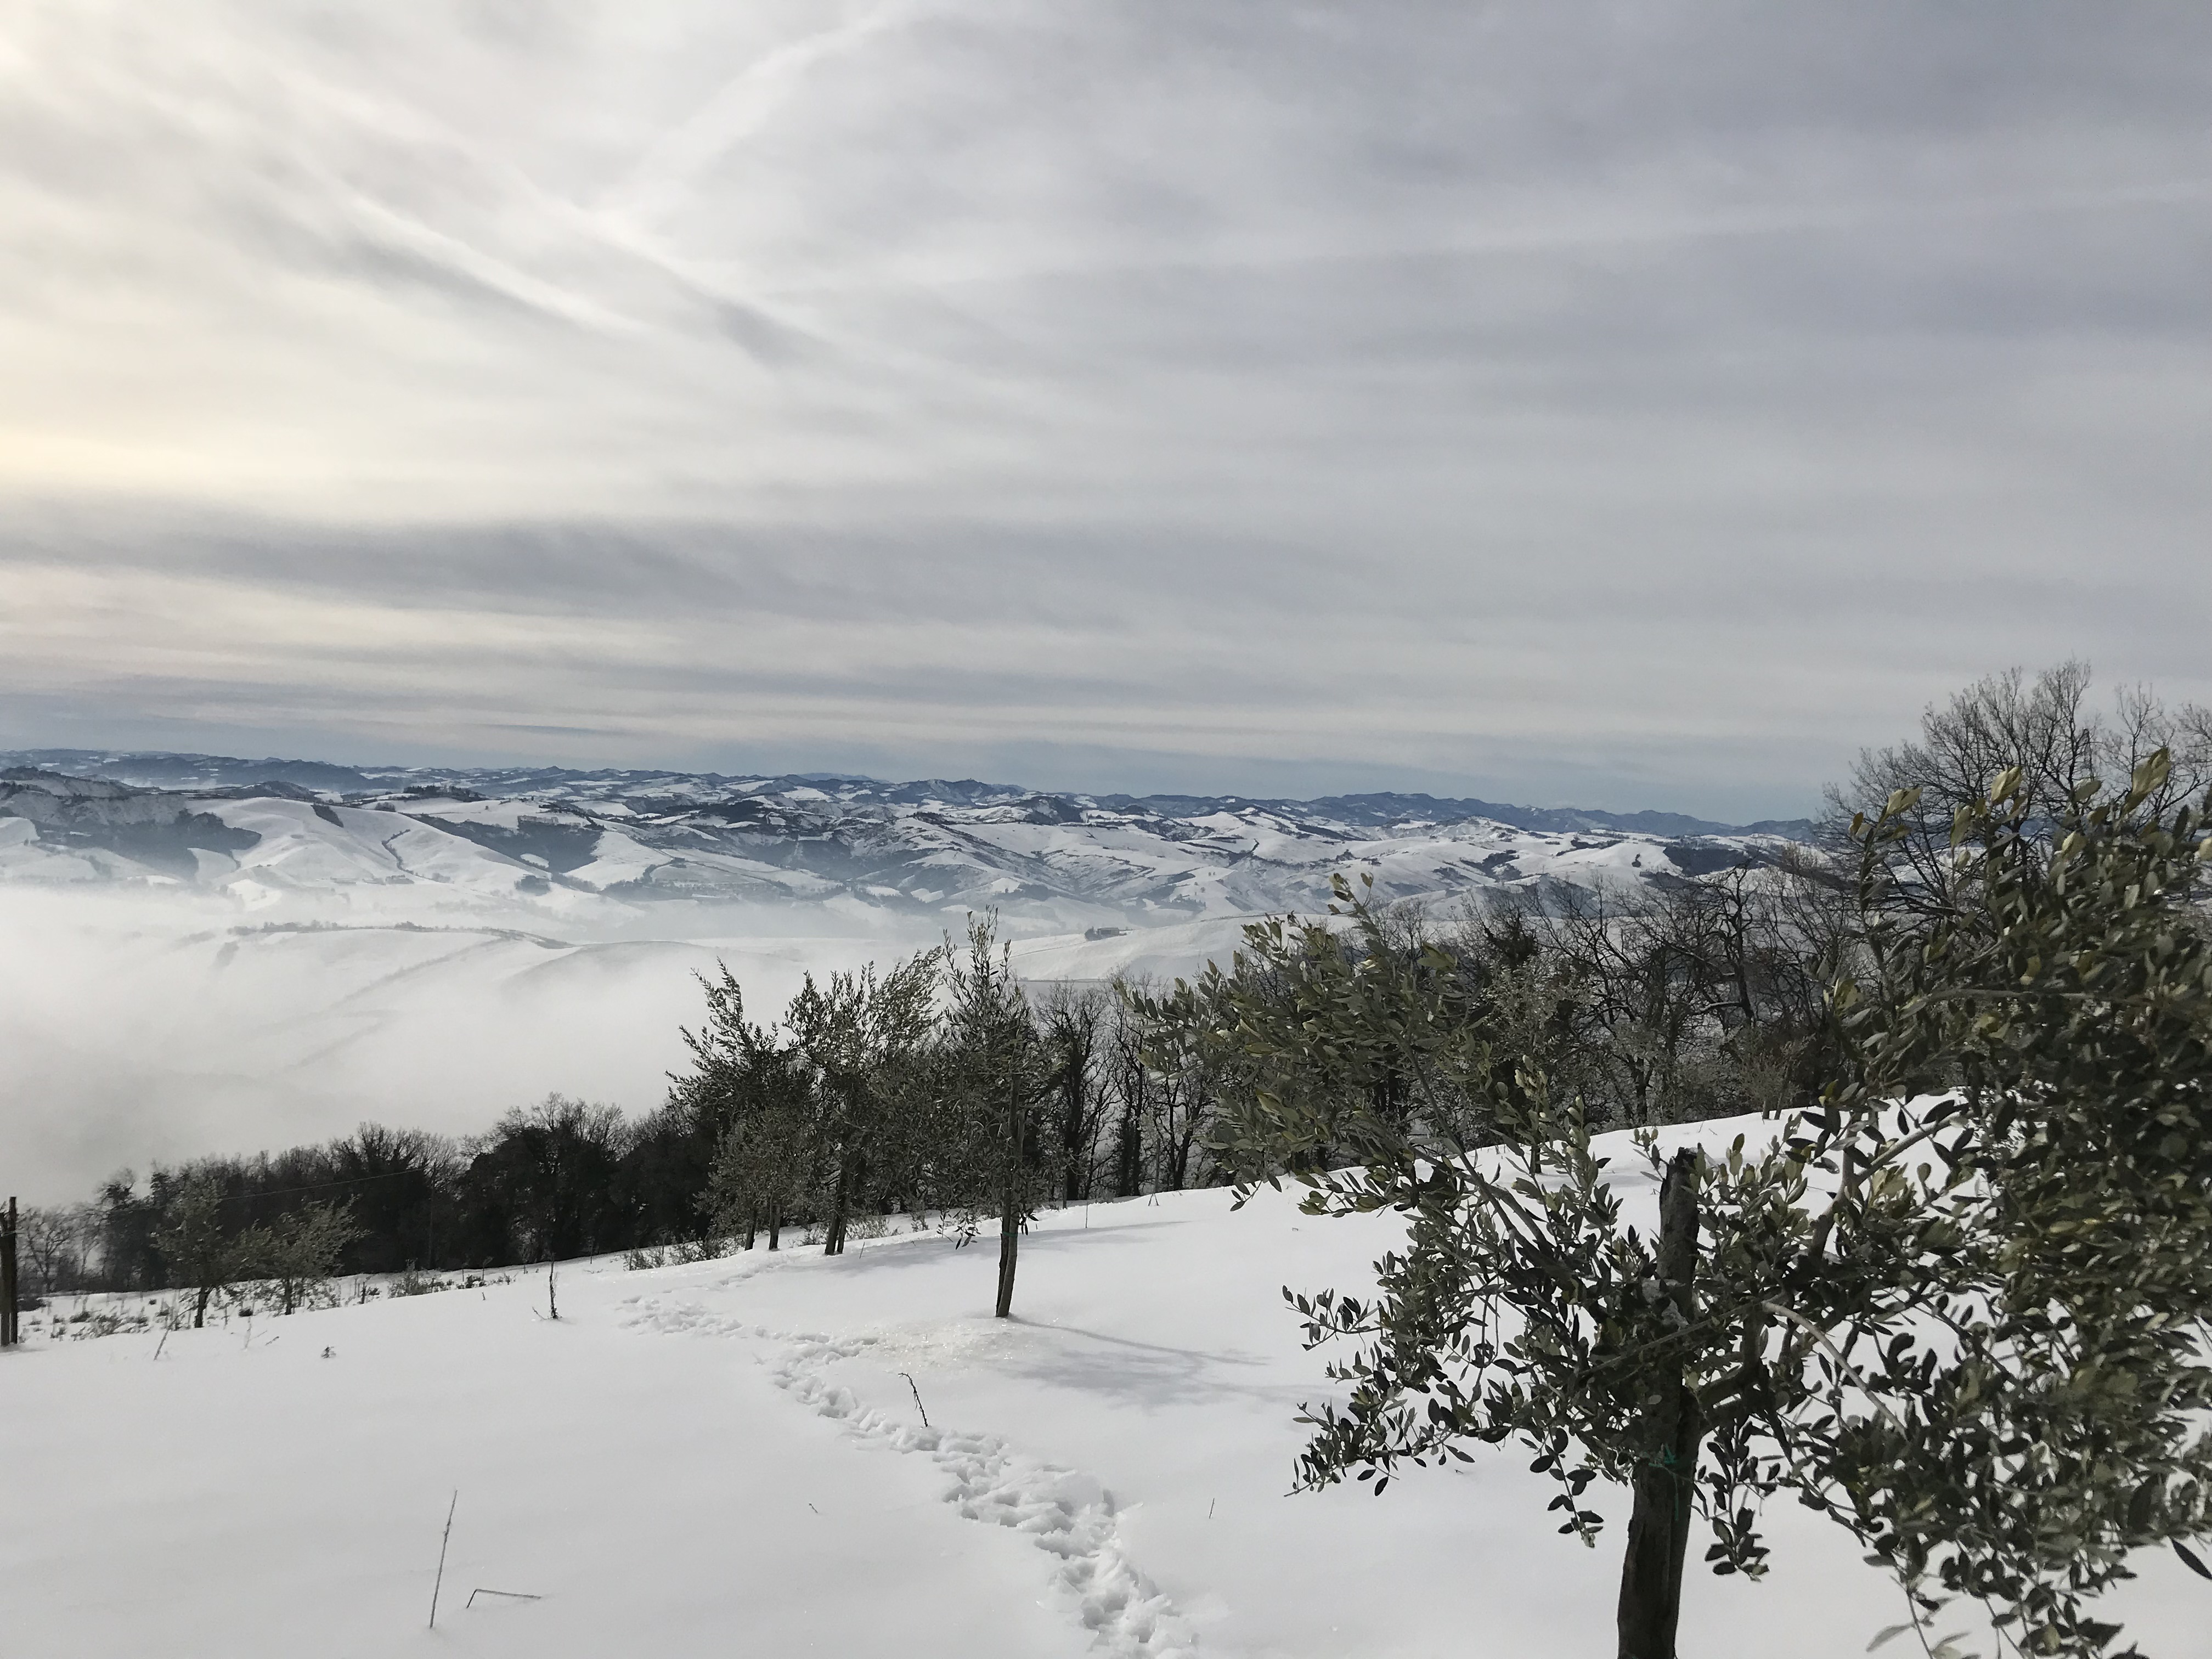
203,955
730,1458
593,847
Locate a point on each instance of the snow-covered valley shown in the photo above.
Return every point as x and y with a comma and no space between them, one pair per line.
202,955
730,1457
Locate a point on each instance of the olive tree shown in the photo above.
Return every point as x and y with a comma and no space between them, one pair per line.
196,1251
995,1067
1972,1326
863,1041
295,1257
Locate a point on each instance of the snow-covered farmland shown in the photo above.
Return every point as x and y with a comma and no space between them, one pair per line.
729,1458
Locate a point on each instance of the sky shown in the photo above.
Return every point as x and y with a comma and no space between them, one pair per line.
1637,405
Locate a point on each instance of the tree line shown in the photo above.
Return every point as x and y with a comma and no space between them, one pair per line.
941,1089
1958,1297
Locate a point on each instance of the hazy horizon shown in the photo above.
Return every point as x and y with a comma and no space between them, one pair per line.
1391,782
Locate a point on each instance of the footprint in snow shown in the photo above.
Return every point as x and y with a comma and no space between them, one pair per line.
1069,1514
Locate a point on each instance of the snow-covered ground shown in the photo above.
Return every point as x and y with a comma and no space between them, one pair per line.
728,1458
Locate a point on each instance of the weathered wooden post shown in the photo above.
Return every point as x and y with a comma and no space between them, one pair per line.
9,1335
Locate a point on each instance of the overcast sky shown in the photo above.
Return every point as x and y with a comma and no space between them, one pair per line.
1636,406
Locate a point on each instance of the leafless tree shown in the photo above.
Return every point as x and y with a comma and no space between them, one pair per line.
51,1240
2045,726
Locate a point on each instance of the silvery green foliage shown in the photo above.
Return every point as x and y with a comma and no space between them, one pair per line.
2044,1411
1972,1329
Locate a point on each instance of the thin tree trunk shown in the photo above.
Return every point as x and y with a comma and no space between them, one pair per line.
833,1242
1010,1218
1659,1527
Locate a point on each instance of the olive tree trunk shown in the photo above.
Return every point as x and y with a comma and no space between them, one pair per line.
1659,1527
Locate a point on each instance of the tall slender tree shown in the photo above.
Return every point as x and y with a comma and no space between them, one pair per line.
998,1070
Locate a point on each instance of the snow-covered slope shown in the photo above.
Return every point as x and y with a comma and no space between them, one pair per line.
592,846
730,1458
201,955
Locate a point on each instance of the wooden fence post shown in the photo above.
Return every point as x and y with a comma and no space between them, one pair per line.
9,1333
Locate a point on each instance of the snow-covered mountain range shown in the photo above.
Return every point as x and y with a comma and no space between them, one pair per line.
587,846
200,953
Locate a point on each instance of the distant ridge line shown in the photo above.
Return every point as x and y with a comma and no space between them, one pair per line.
177,769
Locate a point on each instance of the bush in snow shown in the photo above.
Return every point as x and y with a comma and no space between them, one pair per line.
295,1259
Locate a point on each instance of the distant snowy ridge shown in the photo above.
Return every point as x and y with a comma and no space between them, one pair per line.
589,846
166,770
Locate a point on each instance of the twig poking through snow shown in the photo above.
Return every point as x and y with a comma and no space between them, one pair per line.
511,1595
439,1583
916,1392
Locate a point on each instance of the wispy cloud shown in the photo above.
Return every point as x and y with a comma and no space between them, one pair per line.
1649,401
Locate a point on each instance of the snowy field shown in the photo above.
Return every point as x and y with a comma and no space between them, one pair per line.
728,1458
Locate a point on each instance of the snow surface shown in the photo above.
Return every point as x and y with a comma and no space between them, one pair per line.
1045,862
728,1458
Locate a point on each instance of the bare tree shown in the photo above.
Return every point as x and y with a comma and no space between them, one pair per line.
1129,1089
2046,728
51,1239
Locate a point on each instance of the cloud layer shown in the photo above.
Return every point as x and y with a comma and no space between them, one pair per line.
1641,404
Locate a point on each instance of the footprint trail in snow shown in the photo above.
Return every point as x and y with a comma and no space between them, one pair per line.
1068,1514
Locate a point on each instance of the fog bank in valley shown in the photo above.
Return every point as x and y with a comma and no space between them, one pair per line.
139,1029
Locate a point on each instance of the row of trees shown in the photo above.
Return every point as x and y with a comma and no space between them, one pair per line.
1690,998
560,1174
1960,1301
941,1087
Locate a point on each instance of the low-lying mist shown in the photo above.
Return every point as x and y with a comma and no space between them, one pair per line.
138,1028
